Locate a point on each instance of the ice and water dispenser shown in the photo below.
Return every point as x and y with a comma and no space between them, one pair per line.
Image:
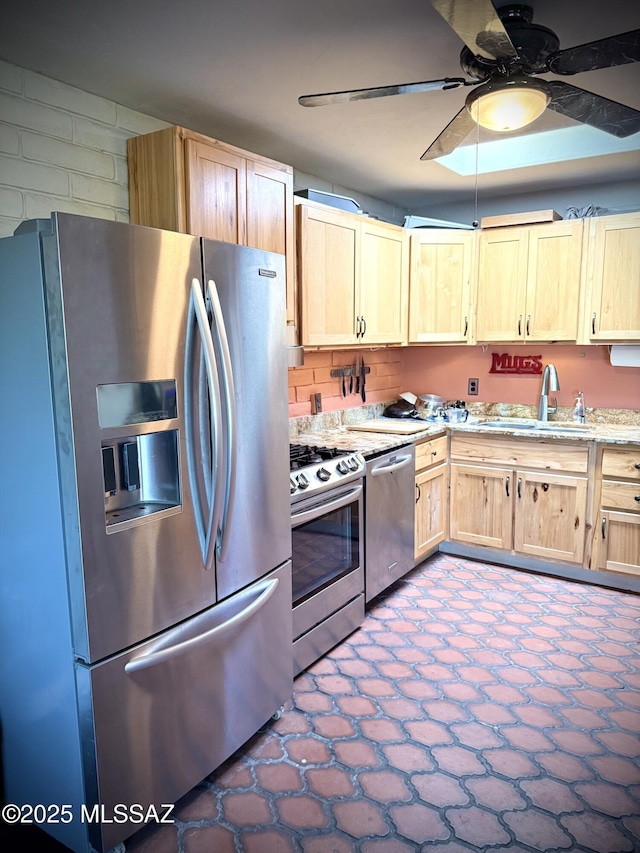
140,467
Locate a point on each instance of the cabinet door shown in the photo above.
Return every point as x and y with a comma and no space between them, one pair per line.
270,218
431,509
554,281
440,279
383,283
328,271
215,193
502,276
619,546
481,506
550,516
614,271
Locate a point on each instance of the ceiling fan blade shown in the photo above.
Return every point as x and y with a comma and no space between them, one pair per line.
454,133
592,109
382,92
604,53
478,25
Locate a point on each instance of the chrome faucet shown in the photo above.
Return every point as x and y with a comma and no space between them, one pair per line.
549,383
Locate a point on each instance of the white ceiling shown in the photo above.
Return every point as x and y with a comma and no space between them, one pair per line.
235,69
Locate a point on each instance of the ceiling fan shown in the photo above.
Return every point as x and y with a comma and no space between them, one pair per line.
504,53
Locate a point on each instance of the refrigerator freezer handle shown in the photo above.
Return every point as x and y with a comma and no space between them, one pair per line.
206,532
230,445
175,642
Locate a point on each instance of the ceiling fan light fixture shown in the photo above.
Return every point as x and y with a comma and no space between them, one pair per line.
509,104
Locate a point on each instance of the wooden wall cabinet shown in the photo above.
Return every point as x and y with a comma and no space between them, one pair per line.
442,279
352,277
613,279
526,497
617,531
182,181
529,282
431,496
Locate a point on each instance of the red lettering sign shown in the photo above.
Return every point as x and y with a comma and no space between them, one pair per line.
511,364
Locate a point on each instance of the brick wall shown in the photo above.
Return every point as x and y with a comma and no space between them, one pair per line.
62,149
382,384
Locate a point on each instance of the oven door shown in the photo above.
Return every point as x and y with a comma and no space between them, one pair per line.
328,573
327,539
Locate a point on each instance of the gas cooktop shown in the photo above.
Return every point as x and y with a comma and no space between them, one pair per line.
317,469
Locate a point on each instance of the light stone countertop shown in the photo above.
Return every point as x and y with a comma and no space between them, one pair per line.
330,429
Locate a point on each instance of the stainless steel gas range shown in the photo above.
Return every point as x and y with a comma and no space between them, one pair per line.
327,520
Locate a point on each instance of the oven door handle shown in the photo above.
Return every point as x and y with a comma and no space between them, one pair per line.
393,466
298,518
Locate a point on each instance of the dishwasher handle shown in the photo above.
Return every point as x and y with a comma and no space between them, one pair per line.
388,468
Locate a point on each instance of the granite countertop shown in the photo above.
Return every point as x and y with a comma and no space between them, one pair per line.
330,429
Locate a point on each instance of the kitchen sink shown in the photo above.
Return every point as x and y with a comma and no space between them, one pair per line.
534,425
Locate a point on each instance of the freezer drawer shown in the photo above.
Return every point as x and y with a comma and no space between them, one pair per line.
159,718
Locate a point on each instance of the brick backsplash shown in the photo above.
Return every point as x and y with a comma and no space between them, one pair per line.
382,383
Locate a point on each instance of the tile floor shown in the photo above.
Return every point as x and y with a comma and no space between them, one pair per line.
478,708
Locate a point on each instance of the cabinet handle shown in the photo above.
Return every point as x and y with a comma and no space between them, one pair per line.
637,498
604,528
364,327
519,487
593,324
358,326
418,494
528,322
520,325
637,465
466,327
507,486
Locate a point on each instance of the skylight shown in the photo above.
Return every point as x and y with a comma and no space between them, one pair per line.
535,149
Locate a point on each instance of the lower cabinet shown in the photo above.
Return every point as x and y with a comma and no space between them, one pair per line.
431,496
617,532
526,497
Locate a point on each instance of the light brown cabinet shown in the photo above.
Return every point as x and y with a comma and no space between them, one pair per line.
442,277
617,535
352,278
182,181
431,496
529,282
526,497
613,276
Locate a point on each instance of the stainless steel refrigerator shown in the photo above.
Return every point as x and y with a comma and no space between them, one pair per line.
145,590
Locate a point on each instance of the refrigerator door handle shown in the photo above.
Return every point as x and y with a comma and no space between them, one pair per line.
198,631
206,531
229,440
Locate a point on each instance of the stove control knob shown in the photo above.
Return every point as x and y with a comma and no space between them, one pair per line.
342,467
323,474
292,485
352,462
302,481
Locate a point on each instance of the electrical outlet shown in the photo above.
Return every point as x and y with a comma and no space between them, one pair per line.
316,403
473,386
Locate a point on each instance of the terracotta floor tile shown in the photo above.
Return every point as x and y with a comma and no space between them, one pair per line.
597,833
478,708
419,823
477,827
437,789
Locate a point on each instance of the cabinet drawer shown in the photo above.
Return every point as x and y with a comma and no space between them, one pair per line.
545,454
621,463
431,452
625,496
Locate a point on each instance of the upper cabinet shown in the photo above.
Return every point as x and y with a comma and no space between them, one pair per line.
352,276
613,279
183,181
442,281
529,283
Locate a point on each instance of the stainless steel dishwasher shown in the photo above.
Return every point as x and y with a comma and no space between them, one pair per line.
389,518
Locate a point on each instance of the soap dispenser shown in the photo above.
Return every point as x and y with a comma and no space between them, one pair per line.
579,411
